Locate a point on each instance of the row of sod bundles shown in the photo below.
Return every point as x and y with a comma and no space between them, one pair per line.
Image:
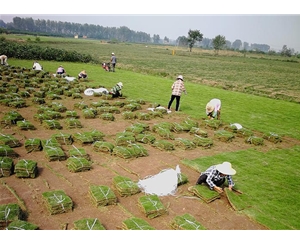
102,195
11,118
145,138
78,164
124,138
151,206
163,145
6,151
101,103
186,222
22,225
78,152
25,125
204,193
272,137
54,153
6,166
138,101
107,116
57,202
73,123
88,224
255,140
26,168
125,186
136,224
198,131
63,138
9,213
103,146
224,135
51,124
33,144
9,140
185,144
212,123
108,109
202,141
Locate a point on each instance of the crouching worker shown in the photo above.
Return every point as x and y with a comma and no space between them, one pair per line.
213,108
116,91
3,59
216,175
82,74
106,66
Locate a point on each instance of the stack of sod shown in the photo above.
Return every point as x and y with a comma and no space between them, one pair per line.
119,104
96,135
102,103
125,186
25,125
138,150
102,146
244,132
78,164
73,123
177,127
11,118
128,115
132,107
124,138
9,140
151,206
161,110
54,153
52,142
189,123
88,224
58,107
123,152
6,166
6,151
136,224
156,114
108,109
136,128
76,95
89,113
57,202
71,114
186,222
185,144
83,138
272,137
63,138
143,116
41,117
78,152
9,213
202,141
198,131
212,123
21,225
139,101
38,100
182,179
102,195
223,135
26,168
165,133
53,114
52,96
255,140
80,105
33,144
145,138
51,124
204,193
163,145
107,116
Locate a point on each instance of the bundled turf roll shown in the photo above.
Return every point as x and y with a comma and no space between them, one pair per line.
78,164
6,151
73,123
102,146
189,123
124,138
145,138
223,135
71,114
165,133
83,138
107,116
202,141
9,213
137,128
163,145
25,125
255,140
78,152
143,116
102,195
51,124
186,222
185,144
138,150
88,224
11,118
125,186
244,132
57,202
54,153
26,168
129,115
136,224
22,225
151,206
212,123
52,142
63,138
6,166
204,193
33,144
123,152
198,131
89,113
96,135
108,109
272,137
9,140
80,105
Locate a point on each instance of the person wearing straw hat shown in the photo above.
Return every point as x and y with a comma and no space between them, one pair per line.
116,91
216,175
82,74
177,89
113,61
213,108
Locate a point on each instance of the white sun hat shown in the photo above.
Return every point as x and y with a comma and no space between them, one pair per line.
120,84
225,168
180,77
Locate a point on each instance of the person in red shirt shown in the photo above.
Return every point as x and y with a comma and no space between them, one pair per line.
177,89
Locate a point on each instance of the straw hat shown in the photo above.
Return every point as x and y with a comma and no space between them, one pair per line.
112,54
83,72
120,84
180,77
225,168
209,108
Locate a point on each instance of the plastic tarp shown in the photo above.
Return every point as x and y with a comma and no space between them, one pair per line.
90,91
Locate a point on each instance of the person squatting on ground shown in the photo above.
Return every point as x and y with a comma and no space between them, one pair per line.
60,70
106,66
3,59
113,61
177,89
82,74
213,108
216,175
37,66
116,91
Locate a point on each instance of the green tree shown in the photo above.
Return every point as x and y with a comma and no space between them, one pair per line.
218,43
193,36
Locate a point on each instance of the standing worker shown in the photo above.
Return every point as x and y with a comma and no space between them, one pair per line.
177,89
113,61
213,108
3,59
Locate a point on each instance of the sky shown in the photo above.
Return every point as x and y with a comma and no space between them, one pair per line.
275,25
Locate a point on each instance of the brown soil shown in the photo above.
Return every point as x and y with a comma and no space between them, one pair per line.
54,175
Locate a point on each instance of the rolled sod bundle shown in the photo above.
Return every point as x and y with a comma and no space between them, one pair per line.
166,125
132,107
108,109
165,133
138,150
244,132
138,101
58,107
6,166
255,140
102,146
185,144
71,114
137,128
9,140
212,123
125,186
123,152
151,206
73,123
25,125
21,225
107,116
51,124
177,127
78,152
63,138
223,135
101,103
11,118
156,114
88,224
145,138
129,115
202,141
38,100
143,116
17,103
78,164
119,104
83,138
102,195
89,113
186,222
53,114
57,202
52,142
9,213
136,224
96,135
26,168
124,138
54,153
76,95
33,145
161,110
204,193
163,145
6,151
81,105
189,123
41,117
272,137
198,131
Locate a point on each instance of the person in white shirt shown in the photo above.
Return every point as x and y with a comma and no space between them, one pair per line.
37,66
3,59
213,108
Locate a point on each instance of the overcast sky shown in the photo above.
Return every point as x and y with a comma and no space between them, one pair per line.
260,24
